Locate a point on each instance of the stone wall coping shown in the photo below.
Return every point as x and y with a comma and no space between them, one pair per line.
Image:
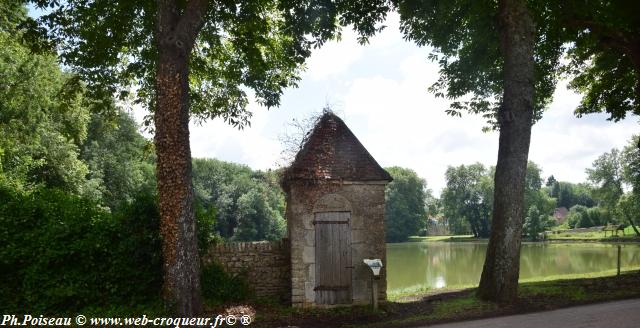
249,246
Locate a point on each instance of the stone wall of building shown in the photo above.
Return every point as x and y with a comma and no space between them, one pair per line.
266,265
365,201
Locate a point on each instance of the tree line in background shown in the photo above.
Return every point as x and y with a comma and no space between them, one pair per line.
197,58
79,219
466,202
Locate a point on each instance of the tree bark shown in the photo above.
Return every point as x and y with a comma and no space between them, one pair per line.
175,35
499,280
634,54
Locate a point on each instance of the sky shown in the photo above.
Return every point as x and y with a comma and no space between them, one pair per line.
380,91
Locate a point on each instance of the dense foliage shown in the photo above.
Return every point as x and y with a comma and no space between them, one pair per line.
42,121
78,208
604,57
61,253
249,204
583,217
467,200
119,159
404,213
193,59
535,223
569,194
218,286
627,207
606,177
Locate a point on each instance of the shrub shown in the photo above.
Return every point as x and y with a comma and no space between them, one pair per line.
582,217
218,286
62,253
535,223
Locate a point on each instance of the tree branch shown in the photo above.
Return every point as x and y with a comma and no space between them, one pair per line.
606,36
192,21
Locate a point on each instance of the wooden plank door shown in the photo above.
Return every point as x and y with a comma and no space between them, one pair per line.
333,257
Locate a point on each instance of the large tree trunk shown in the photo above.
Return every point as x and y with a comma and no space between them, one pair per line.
178,226
634,54
499,280
175,36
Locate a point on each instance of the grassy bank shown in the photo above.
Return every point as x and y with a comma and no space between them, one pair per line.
597,236
428,307
443,238
557,235
412,293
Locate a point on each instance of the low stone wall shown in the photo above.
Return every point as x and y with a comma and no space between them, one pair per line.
266,264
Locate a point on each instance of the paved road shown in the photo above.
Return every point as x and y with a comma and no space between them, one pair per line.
619,314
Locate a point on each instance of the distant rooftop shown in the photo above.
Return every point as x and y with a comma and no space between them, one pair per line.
332,152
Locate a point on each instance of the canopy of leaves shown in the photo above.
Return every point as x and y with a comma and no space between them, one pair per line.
583,217
43,118
605,54
12,14
465,39
257,45
631,163
249,204
120,160
536,223
404,213
62,253
534,195
468,199
568,194
606,177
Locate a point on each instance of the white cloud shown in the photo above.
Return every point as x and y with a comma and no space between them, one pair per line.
334,57
402,124
249,146
565,145
381,92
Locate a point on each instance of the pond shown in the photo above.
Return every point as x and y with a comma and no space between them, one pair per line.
432,265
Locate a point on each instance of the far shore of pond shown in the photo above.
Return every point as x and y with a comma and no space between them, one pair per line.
591,237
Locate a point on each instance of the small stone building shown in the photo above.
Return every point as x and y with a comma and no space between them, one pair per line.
335,217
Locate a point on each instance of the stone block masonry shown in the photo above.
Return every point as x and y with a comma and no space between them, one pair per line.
265,264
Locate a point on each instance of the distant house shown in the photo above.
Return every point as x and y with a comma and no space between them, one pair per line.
436,226
560,214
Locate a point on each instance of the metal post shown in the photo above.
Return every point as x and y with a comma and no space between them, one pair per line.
374,292
619,260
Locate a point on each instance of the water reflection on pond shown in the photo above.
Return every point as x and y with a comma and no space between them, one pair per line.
456,264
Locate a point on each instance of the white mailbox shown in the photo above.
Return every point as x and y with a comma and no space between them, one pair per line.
375,265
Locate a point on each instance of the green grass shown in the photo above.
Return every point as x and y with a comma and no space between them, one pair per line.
552,290
440,238
408,294
599,274
465,306
593,235
397,294
455,307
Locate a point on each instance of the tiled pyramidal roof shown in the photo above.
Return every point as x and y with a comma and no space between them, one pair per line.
332,152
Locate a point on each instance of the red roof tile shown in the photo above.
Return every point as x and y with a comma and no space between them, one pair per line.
332,152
